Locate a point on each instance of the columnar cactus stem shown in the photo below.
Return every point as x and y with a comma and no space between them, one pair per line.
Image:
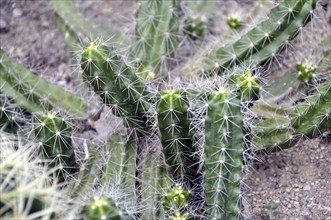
11,116
223,156
117,85
314,114
176,136
74,25
264,41
156,32
53,135
309,118
32,92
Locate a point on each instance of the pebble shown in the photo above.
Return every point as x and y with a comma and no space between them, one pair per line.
306,187
17,12
3,26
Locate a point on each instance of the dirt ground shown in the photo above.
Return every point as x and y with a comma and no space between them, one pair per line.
291,184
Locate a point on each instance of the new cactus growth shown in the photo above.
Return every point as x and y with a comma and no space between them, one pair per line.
176,202
101,208
195,27
179,216
234,21
53,135
306,71
247,84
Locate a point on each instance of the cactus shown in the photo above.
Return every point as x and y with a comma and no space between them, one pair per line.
247,84
176,137
264,41
195,26
52,133
223,155
306,71
156,35
74,25
185,144
26,192
116,83
197,15
309,118
34,93
12,117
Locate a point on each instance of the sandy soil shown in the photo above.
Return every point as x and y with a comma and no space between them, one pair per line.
292,184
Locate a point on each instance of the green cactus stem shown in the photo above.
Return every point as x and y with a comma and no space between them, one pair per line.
12,118
223,156
120,89
52,133
309,118
117,85
156,36
75,26
32,92
267,39
176,137
314,114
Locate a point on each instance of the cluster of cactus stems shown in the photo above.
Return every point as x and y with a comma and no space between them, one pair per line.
184,148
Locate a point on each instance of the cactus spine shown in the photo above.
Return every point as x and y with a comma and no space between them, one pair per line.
25,187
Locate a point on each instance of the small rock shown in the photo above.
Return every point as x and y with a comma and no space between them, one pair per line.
45,23
306,187
17,12
3,27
